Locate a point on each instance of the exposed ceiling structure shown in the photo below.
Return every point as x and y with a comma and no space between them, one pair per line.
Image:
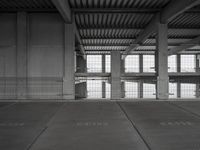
106,25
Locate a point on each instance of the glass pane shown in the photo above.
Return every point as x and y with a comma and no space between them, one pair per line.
94,63
172,63
132,63
149,90
94,88
148,63
108,90
107,63
188,90
173,90
131,90
188,63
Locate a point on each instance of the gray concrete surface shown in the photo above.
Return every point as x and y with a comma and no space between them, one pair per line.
164,126
89,126
22,123
100,125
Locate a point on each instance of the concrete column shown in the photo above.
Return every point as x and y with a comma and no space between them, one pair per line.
140,89
197,70
115,75
69,63
141,63
162,62
178,89
81,90
103,89
103,63
103,71
122,65
140,83
81,64
178,63
122,89
178,70
21,55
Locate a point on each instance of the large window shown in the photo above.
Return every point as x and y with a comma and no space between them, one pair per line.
107,63
172,63
94,63
94,89
132,63
131,90
149,90
188,90
188,63
172,90
108,88
148,63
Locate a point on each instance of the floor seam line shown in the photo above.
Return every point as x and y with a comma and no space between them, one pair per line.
134,126
35,139
47,124
185,109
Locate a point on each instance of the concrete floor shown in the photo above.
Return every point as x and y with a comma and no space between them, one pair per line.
100,126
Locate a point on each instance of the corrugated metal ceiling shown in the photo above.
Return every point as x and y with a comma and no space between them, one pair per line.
113,30
25,4
118,3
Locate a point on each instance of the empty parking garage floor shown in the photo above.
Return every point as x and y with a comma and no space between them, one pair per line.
100,125
99,74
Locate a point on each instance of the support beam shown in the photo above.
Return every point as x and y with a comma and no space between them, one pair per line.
103,63
187,45
129,49
123,90
81,65
162,63
64,9
123,66
115,75
197,70
103,89
80,47
140,89
173,9
69,63
21,55
122,10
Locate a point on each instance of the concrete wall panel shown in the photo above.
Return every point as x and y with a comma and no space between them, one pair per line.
46,45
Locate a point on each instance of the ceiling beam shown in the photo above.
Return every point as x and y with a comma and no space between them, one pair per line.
64,9
80,46
125,44
114,10
4,10
133,28
123,10
173,9
186,45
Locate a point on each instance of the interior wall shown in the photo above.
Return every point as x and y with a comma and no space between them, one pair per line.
45,47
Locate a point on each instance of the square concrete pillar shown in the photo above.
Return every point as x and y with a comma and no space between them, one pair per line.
178,70
123,90
69,62
81,64
22,55
162,88
198,70
115,75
